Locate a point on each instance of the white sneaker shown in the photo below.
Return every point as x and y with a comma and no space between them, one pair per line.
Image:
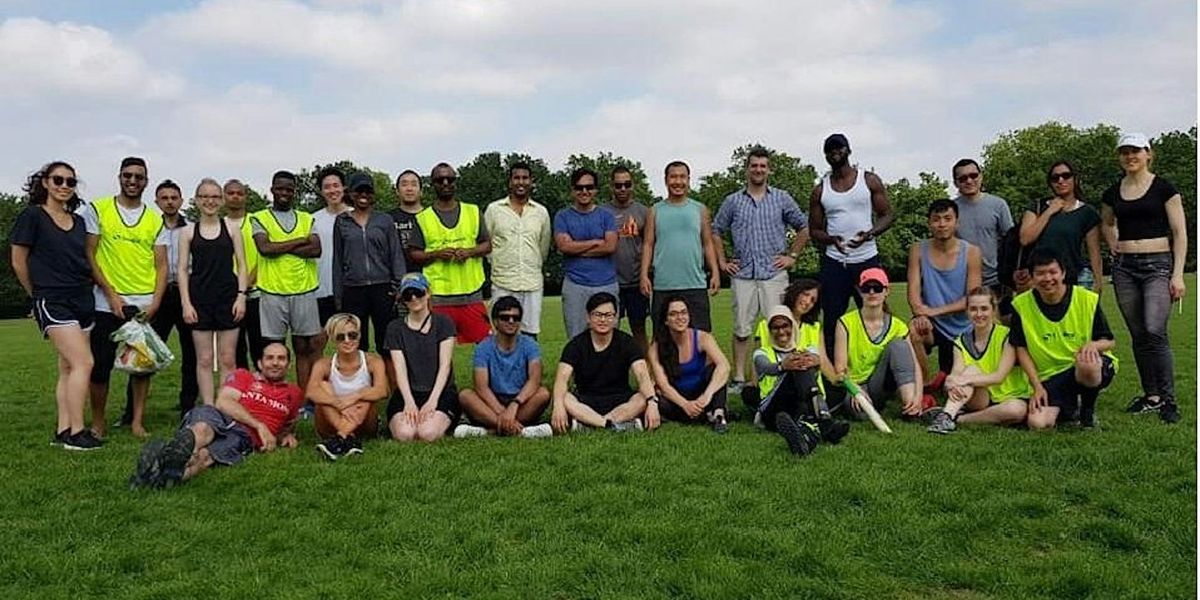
538,431
577,426
466,431
631,425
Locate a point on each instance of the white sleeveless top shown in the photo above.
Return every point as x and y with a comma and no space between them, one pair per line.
361,379
846,214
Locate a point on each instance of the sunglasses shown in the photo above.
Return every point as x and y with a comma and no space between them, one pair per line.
1057,177
410,294
781,327
508,318
967,177
59,180
133,176
585,188
623,185
349,335
445,179
872,288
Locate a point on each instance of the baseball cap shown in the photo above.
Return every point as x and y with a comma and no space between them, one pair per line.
873,274
1133,139
414,281
361,180
836,140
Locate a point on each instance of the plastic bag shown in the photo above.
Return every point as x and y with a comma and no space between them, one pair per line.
139,349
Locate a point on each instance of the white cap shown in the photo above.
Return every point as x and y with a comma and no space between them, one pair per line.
1134,139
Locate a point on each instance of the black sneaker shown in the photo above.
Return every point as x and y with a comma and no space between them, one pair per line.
84,441
1169,411
1143,404
1087,419
60,437
330,448
720,425
148,472
176,455
833,431
793,434
351,446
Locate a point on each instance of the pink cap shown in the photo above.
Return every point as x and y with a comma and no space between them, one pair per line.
873,274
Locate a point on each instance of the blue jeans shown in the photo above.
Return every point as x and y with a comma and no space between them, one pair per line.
1143,286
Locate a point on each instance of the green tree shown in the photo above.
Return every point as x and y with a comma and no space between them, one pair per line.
910,203
308,189
13,301
1175,161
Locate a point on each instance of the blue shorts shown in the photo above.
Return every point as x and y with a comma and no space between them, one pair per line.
231,440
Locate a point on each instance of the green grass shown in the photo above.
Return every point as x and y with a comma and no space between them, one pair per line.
679,513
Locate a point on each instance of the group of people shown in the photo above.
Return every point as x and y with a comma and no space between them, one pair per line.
242,284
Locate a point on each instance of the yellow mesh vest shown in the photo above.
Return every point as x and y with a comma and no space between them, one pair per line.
286,274
448,278
125,253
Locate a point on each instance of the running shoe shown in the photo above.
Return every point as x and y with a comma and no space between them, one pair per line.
1169,412
793,434
1143,404
83,441
942,423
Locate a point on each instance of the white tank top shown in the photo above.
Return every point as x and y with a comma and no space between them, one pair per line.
846,214
361,379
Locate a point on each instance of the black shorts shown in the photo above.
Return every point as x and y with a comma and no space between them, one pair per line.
231,440
104,350
1062,391
945,350
632,304
447,403
77,309
604,403
214,317
326,307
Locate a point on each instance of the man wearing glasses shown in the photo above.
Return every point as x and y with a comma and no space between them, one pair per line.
520,231
587,237
449,243
127,248
630,216
600,360
983,219
508,395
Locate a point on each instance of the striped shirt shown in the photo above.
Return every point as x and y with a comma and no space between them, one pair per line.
759,229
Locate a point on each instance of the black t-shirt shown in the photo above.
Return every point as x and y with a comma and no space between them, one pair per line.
1142,218
420,349
58,265
1055,312
406,223
601,373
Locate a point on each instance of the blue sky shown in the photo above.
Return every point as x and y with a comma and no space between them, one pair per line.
239,88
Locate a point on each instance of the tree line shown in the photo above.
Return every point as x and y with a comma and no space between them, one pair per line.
1014,168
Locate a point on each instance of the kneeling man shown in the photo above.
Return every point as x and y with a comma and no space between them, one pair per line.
600,359
508,392
254,411
1064,345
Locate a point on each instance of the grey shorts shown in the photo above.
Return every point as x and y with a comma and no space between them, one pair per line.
281,314
574,304
231,440
753,299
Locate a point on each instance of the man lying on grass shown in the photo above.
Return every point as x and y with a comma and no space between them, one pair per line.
254,411
600,360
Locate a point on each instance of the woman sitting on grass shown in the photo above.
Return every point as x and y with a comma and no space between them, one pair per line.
871,349
425,403
983,381
688,368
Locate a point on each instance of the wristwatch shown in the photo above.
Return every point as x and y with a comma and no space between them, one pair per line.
653,399
794,255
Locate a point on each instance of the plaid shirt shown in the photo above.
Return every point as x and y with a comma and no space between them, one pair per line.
759,229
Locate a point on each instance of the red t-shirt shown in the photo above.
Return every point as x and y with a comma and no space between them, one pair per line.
274,404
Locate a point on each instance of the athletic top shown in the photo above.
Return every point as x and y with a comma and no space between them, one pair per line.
1142,218
678,250
58,265
864,351
211,281
846,214
939,288
691,373
1015,385
361,379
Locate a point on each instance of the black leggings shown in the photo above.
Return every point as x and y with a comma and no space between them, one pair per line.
795,395
373,302
672,412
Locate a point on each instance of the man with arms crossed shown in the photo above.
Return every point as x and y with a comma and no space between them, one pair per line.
757,218
508,394
600,360
520,230
678,243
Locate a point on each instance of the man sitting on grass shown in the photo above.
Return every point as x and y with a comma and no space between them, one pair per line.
508,394
600,359
254,411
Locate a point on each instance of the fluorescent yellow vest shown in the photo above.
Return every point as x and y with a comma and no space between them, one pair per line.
809,337
862,353
448,278
125,253
1052,346
286,274
1015,385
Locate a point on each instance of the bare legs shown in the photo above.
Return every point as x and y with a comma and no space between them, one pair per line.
74,369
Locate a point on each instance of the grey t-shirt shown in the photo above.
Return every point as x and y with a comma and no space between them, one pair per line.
983,222
631,220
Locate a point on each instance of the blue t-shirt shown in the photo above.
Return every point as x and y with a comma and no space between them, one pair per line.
507,371
590,271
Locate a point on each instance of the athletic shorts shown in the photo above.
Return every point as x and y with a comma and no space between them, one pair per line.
231,440
280,314
531,307
447,403
470,321
214,317
1062,391
78,310
753,299
697,303
604,403
634,306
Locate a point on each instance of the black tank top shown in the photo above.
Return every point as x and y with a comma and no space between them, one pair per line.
213,280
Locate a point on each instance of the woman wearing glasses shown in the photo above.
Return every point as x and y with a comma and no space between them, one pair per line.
1145,228
425,402
50,260
1063,224
689,369
345,389
213,294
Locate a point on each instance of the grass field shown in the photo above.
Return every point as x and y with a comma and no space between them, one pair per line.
682,512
